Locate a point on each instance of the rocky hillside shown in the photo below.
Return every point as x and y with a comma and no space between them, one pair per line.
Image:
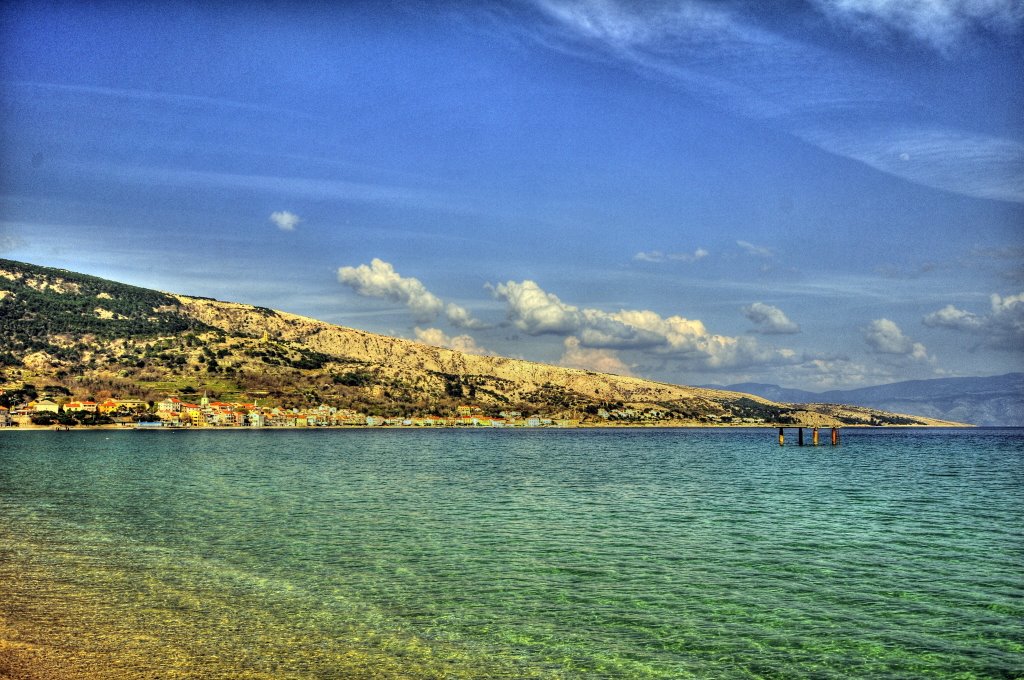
99,338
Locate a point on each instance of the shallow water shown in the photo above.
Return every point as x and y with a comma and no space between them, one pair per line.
549,554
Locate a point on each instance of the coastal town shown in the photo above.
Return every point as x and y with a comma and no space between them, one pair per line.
174,412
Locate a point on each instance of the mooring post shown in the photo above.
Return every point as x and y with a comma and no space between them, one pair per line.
835,436
782,438
814,436
800,436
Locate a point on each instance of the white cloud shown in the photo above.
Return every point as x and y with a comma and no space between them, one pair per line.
939,23
724,57
459,343
885,337
658,256
951,317
285,220
600,360
962,162
379,279
1011,305
460,317
161,99
756,251
278,185
770,320
1001,328
537,312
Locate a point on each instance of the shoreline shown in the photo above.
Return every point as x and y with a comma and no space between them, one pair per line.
653,426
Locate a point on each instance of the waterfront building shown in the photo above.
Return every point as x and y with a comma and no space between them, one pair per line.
45,406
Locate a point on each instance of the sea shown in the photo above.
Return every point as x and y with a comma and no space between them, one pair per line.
607,553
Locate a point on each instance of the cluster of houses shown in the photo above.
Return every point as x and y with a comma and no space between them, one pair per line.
175,412
123,409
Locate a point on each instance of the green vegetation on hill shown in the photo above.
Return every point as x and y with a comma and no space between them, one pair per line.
39,304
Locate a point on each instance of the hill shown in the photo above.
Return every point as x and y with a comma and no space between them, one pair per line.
988,401
88,337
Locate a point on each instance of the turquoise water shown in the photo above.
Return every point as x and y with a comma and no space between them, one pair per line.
548,554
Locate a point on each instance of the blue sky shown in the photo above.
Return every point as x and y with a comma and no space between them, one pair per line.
818,194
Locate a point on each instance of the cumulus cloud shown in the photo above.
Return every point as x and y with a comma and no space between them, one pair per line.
379,279
951,317
1001,328
600,360
658,256
534,311
460,343
285,221
769,320
939,23
885,337
460,317
1011,305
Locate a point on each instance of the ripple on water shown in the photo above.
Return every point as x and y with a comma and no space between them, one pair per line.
634,554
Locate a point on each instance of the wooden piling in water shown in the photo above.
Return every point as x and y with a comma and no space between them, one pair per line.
815,440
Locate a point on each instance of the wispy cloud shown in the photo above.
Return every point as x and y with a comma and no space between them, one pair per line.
961,162
658,256
285,221
9,242
755,250
726,59
154,96
939,23
296,187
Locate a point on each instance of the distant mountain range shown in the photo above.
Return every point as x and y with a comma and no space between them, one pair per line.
992,401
